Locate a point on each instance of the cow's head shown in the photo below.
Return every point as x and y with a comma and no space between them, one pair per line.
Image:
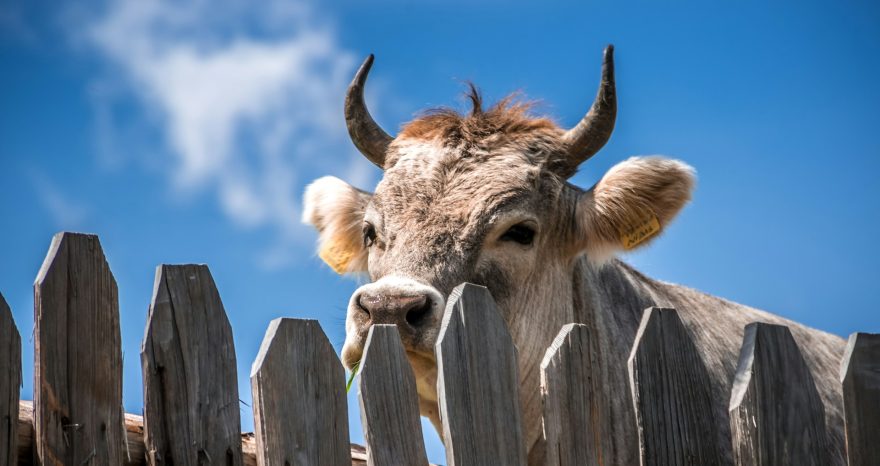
481,198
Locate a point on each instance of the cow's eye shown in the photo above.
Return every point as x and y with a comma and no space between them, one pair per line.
369,234
520,233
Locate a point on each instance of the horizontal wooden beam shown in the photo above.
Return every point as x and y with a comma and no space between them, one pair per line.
134,428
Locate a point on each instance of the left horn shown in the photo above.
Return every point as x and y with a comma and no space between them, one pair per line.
585,139
366,134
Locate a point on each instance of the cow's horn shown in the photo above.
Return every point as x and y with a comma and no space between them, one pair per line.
591,133
366,134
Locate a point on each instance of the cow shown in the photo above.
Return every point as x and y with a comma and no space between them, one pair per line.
483,197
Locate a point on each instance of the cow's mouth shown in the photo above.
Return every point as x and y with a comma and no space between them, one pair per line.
351,355
424,367
423,363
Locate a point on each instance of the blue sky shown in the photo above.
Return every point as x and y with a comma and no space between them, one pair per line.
185,132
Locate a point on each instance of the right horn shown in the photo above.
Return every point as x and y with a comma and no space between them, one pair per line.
365,133
591,133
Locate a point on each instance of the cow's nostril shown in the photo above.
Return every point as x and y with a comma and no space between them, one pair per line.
418,314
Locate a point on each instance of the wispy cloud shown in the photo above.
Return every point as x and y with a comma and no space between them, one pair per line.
247,99
66,212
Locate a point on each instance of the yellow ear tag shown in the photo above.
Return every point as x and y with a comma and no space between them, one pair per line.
337,256
640,233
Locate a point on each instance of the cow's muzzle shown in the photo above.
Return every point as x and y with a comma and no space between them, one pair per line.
415,308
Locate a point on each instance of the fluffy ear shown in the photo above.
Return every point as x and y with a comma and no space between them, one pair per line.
632,204
336,210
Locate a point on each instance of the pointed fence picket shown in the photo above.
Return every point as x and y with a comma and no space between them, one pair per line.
10,363
190,384
575,418
389,401
77,356
478,382
300,411
860,376
776,414
298,386
671,392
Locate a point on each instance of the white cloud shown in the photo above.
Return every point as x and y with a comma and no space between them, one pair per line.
246,97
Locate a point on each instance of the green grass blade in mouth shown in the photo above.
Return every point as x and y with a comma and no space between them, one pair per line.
354,372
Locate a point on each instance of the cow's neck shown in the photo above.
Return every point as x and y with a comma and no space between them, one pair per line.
613,297
609,298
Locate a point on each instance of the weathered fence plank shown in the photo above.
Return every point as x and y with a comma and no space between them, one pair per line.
77,356
10,383
860,376
478,382
191,406
776,414
575,418
298,387
671,393
389,401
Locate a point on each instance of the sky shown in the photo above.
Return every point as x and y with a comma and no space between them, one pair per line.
186,131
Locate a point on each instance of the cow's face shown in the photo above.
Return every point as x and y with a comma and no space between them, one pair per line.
481,198
442,215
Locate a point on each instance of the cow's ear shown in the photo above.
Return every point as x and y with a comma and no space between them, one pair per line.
336,210
632,204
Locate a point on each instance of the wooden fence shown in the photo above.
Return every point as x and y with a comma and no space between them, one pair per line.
191,400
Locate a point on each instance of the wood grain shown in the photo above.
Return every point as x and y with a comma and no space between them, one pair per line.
776,415
191,405
478,382
10,384
389,401
298,387
78,361
860,376
671,393
575,417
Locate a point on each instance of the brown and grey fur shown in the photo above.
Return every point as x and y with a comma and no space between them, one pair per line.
452,186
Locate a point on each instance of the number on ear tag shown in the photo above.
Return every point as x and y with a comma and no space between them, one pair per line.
640,234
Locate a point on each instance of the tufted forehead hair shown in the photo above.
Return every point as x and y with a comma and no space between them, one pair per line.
510,116
508,124
478,160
